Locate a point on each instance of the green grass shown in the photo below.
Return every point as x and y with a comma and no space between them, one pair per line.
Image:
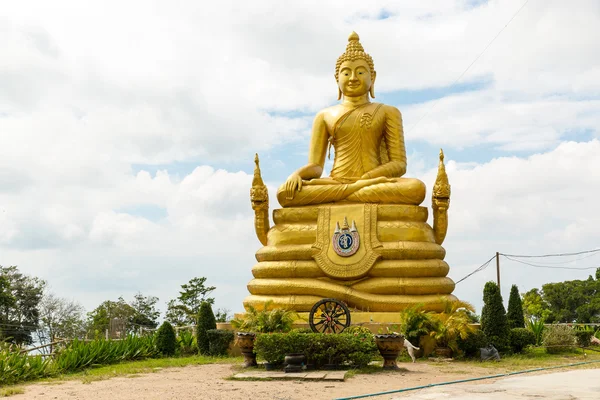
11,391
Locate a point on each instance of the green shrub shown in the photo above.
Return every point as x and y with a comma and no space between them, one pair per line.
493,317
520,338
514,315
185,339
559,338
206,322
538,328
219,341
415,323
16,367
78,355
302,330
358,329
353,350
265,321
166,341
471,345
584,336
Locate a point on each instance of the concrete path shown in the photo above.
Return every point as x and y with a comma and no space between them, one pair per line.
581,384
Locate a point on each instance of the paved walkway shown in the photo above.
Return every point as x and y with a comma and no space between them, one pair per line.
570,385
305,376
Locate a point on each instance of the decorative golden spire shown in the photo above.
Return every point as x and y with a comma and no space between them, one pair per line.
441,188
257,179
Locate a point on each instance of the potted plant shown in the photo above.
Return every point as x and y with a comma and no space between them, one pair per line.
263,321
389,346
415,323
453,322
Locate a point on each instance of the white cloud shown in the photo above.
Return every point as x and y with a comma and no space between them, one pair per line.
90,90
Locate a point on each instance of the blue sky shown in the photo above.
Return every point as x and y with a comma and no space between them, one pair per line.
127,153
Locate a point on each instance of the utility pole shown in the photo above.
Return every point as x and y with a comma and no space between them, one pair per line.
498,269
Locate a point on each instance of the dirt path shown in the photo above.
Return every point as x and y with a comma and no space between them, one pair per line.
207,382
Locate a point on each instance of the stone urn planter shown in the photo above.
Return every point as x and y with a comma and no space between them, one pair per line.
389,347
294,362
443,352
245,341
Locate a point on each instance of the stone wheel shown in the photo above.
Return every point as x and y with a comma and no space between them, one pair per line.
329,316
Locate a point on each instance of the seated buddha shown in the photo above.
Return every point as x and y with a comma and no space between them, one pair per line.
370,158
396,259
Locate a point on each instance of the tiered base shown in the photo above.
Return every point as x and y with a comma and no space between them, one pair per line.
398,264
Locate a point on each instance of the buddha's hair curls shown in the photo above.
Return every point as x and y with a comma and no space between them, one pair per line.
354,51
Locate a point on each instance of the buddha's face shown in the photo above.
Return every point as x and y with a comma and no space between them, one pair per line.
354,78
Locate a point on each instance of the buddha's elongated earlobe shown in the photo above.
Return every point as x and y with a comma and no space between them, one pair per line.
372,88
339,93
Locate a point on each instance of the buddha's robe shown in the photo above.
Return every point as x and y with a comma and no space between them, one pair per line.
367,139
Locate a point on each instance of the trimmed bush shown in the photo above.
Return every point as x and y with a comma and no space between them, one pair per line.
471,345
584,336
219,341
358,330
206,322
493,317
166,341
559,338
520,338
514,315
353,350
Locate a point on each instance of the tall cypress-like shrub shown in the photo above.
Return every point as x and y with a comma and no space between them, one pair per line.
166,341
206,321
514,315
493,317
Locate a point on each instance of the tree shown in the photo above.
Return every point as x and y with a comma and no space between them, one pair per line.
145,311
206,321
59,317
573,301
493,317
222,315
19,312
514,315
99,319
184,310
598,274
166,341
535,307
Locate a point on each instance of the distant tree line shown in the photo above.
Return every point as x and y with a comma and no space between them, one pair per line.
576,301
30,313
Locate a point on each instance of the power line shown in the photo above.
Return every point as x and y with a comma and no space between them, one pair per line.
548,266
552,255
480,268
470,65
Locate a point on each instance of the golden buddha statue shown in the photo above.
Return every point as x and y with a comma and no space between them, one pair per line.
389,258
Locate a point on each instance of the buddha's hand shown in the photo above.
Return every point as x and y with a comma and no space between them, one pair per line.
293,183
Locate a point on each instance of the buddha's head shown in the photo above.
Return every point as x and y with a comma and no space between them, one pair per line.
354,70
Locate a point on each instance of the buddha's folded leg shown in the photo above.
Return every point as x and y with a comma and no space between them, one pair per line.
400,191
314,194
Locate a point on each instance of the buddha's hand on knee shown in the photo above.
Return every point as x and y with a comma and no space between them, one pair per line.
293,184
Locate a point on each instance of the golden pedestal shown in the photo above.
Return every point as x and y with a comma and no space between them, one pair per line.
396,264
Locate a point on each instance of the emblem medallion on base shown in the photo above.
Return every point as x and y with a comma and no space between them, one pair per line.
346,240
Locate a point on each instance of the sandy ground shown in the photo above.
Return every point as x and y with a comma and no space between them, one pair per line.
207,382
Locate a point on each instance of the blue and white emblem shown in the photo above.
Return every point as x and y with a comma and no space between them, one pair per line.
345,240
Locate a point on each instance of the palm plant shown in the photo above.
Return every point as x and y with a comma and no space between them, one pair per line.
265,321
415,323
537,327
453,322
